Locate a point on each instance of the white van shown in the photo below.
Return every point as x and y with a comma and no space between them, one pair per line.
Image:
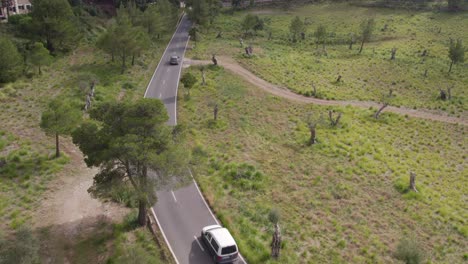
220,243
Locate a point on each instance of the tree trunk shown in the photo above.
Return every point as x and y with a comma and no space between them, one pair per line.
142,213
133,59
57,147
413,182
112,54
312,135
376,115
276,242
350,45
123,63
40,70
451,64
362,45
215,112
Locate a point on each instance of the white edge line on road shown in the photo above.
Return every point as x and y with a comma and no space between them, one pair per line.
173,195
209,209
164,235
178,79
198,242
163,56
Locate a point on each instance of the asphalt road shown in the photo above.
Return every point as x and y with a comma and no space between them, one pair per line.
180,213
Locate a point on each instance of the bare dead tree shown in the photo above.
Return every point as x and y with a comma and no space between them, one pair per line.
412,184
385,102
214,60
219,35
203,75
338,79
445,95
315,89
249,50
215,112
276,242
352,40
312,122
334,121
393,54
241,41
425,73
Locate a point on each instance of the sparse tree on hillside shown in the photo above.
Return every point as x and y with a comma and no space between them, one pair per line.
334,121
10,60
367,28
456,52
351,40
55,23
274,218
214,8
386,100
412,184
189,80
130,142
60,118
393,54
296,27
321,35
312,122
39,56
199,13
252,23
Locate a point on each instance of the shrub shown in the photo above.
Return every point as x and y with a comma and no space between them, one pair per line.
409,252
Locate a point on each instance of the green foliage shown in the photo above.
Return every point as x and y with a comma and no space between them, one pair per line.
252,23
60,117
456,52
10,60
296,27
123,39
274,216
199,13
55,23
23,249
127,139
409,252
367,28
188,79
321,35
39,55
243,176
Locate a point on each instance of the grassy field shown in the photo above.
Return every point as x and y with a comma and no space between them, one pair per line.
342,200
365,77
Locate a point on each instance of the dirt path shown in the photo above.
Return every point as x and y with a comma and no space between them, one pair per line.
70,215
231,65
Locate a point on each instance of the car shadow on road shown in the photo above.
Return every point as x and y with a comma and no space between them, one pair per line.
198,256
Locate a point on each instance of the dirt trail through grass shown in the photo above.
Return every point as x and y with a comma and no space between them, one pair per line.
231,65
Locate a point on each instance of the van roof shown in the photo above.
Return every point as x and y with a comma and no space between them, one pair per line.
223,237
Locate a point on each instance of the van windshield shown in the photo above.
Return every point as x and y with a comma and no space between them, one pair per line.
228,250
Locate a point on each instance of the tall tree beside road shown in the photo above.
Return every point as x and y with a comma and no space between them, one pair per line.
321,35
39,56
10,60
367,28
122,39
54,22
199,12
128,140
456,52
60,118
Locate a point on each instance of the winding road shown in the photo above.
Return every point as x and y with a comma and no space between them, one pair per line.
180,213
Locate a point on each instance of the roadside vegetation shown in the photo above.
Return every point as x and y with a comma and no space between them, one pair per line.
338,51
345,196
44,75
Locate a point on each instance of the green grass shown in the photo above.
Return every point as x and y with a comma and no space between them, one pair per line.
365,77
342,200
